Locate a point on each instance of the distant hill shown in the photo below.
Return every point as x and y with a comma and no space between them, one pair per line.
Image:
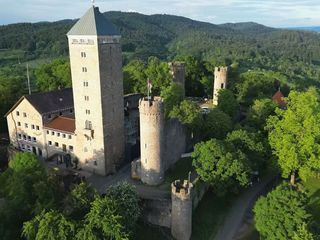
312,29
167,36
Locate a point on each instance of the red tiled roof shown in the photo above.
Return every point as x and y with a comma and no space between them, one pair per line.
63,124
279,99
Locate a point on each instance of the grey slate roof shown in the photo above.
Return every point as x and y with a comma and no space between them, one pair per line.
94,23
51,101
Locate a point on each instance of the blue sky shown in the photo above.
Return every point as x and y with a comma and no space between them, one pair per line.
286,13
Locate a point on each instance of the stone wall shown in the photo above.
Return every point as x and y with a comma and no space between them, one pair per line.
175,136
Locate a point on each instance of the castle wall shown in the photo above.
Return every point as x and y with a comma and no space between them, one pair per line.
220,82
175,142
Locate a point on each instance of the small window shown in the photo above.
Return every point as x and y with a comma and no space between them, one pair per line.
85,84
87,111
222,85
19,136
25,114
71,110
58,134
86,98
19,124
95,163
64,135
38,128
17,113
71,148
60,113
52,133
23,146
49,116
24,137
34,139
84,69
50,143
32,126
48,132
145,145
29,138
88,125
29,148
69,136
83,54
56,144
26,125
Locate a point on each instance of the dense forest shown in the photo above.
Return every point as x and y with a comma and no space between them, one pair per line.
290,56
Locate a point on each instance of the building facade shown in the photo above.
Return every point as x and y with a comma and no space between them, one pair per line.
87,120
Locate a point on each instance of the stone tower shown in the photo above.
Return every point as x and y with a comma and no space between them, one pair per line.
96,69
220,82
152,140
181,214
179,73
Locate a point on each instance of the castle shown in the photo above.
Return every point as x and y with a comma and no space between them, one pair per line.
96,124
220,82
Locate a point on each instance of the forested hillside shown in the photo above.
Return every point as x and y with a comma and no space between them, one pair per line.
289,56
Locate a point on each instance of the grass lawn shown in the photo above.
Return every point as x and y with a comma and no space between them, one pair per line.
210,214
180,171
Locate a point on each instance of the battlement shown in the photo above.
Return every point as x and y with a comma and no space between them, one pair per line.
151,107
221,69
182,190
176,65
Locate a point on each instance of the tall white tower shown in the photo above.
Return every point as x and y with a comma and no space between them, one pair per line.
220,82
97,80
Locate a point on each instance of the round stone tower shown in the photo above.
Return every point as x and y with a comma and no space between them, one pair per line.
181,214
178,72
220,82
152,140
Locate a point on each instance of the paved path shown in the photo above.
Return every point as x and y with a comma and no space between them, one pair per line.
236,214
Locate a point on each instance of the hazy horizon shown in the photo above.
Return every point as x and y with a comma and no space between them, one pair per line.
288,13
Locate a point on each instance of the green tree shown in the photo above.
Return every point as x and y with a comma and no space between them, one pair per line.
254,85
54,75
188,113
294,135
303,233
77,203
172,96
281,213
25,188
127,200
221,165
259,112
12,87
135,79
103,221
228,103
158,73
217,124
252,144
50,225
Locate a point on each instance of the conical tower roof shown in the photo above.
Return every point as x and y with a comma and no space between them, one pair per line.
94,23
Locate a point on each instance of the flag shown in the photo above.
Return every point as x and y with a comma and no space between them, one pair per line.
149,86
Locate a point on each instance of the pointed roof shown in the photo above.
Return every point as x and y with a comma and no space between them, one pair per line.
279,99
94,23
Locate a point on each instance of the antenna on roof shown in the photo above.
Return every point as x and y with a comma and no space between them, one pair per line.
28,78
